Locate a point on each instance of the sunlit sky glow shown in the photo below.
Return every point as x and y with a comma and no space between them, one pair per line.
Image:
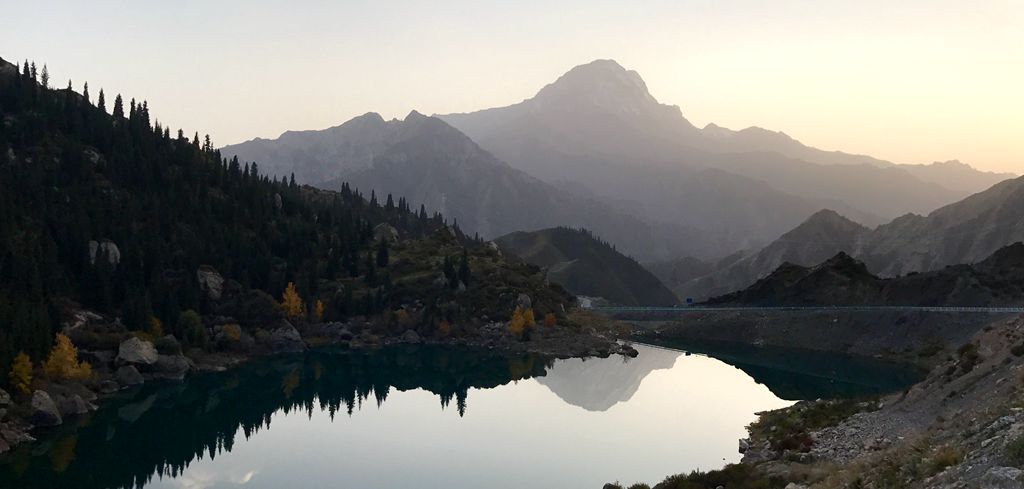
909,81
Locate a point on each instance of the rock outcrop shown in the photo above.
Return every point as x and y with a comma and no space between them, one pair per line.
44,410
211,282
128,376
137,351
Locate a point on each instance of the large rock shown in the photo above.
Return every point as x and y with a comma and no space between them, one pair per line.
410,336
167,345
13,434
385,231
73,405
1003,478
97,358
128,376
284,338
210,282
524,302
171,367
137,351
105,248
5,398
44,410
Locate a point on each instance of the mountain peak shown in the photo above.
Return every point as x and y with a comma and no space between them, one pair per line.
602,81
415,115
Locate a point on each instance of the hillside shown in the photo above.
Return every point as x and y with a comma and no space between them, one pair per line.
813,241
963,232
434,165
841,280
113,214
585,265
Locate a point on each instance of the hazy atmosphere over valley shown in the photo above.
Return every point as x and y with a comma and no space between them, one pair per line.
457,244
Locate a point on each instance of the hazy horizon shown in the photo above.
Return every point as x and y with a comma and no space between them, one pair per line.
912,83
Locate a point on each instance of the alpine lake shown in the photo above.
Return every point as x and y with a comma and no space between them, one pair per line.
437,417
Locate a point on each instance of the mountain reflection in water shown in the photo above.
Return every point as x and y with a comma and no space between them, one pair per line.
455,419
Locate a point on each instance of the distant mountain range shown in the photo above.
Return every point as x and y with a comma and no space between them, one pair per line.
963,232
598,127
585,265
595,149
433,164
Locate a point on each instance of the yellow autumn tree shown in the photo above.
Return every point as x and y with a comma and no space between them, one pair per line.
291,303
518,322
233,332
528,319
21,373
155,328
318,310
62,363
550,320
444,329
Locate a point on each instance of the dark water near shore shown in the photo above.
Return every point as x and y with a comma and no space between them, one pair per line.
422,417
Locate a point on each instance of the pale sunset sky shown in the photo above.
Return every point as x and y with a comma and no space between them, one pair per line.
908,81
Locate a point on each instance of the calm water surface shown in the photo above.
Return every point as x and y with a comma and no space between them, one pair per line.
416,417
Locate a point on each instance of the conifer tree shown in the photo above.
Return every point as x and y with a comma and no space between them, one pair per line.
45,79
464,267
382,254
118,107
101,102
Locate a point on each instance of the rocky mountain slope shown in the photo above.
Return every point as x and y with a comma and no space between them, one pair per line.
842,280
598,126
585,265
432,164
963,232
962,427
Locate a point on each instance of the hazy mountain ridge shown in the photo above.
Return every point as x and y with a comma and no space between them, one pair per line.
964,232
585,265
598,127
432,164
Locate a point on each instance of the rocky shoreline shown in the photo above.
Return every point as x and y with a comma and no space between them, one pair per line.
137,359
961,427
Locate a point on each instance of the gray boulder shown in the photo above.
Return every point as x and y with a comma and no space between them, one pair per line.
128,376
98,358
5,398
44,410
167,345
210,282
14,434
385,231
1003,478
284,338
524,302
73,405
171,367
137,351
105,248
411,336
